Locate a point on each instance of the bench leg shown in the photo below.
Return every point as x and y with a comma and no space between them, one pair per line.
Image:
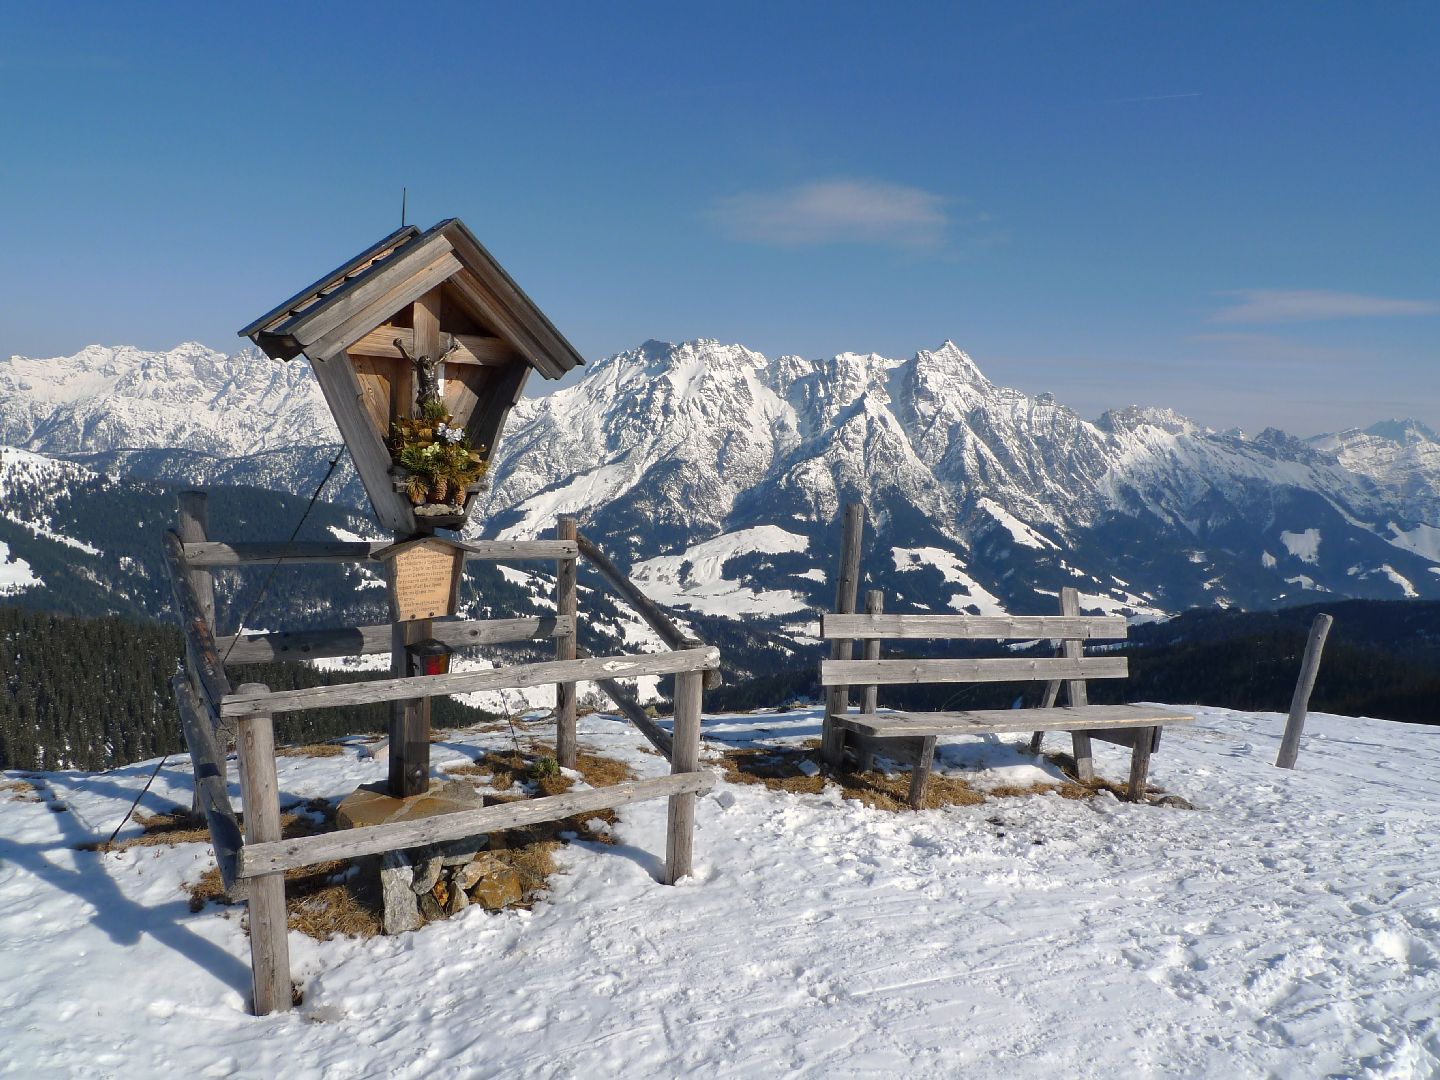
1145,740
1084,764
1036,742
921,773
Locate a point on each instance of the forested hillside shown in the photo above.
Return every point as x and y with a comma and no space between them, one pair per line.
93,693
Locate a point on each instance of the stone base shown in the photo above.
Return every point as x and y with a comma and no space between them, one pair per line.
431,882
373,805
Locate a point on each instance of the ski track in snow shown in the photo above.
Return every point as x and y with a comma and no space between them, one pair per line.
1289,928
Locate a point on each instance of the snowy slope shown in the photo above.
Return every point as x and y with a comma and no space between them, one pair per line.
1290,927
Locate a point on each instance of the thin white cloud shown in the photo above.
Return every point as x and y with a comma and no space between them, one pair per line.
1313,305
835,211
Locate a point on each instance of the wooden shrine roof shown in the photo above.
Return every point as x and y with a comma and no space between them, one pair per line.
337,310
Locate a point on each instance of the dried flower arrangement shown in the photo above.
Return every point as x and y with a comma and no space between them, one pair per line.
432,449
436,455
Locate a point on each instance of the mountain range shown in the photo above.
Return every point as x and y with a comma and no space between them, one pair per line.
717,475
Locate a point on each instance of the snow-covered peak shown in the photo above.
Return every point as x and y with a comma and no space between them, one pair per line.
950,361
116,397
1132,417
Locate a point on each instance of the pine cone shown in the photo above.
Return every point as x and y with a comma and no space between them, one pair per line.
439,490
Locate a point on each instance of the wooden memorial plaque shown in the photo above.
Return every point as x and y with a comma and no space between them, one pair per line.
424,578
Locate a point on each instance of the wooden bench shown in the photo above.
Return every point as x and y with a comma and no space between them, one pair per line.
911,735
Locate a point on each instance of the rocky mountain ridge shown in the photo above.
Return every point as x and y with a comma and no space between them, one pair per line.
717,473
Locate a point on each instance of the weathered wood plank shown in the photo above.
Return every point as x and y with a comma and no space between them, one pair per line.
257,859
1003,669
847,585
467,682
211,788
973,627
376,288
870,695
311,293
409,762
366,640
260,798
1075,694
199,642
981,721
469,348
565,606
192,526
1140,762
340,383
557,354
1300,700
215,553
478,296
920,775
495,399
647,609
684,760
658,736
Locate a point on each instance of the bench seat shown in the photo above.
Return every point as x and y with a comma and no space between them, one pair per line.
889,725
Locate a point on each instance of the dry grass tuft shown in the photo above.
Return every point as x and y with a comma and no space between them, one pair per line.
780,769
507,768
324,901
20,791
323,749
333,899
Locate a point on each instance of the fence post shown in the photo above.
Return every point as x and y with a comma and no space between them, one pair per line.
193,526
1300,702
870,697
685,757
565,604
847,585
260,803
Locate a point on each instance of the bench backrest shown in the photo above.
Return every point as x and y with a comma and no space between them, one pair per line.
1071,628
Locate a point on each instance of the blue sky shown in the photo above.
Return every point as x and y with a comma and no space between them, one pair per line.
1229,209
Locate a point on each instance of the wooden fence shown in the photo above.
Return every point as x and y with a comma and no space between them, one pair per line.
253,861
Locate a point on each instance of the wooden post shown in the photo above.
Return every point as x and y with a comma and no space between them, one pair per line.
193,529
1300,702
870,698
847,584
260,802
685,757
565,604
1075,695
921,774
409,719
1144,746
193,526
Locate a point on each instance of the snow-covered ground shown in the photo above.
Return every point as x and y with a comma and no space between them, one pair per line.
1289,927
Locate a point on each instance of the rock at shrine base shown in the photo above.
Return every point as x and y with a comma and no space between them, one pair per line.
407,879
373,805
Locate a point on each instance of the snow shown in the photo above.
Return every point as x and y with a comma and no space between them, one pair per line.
1289,928
1407,588
696,578
15,573
1305,546
1423,540
1022,533
1267,560
972,594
